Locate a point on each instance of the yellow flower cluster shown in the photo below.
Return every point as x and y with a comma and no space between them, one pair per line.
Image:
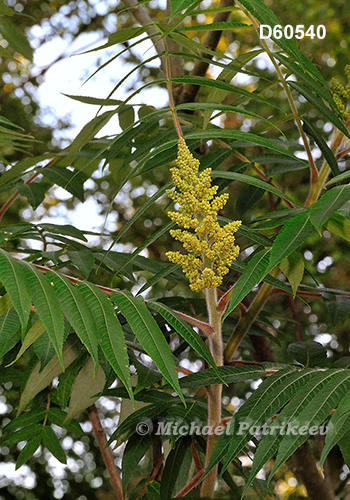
341,93
210,247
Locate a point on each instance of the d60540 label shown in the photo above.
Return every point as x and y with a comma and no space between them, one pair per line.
290,31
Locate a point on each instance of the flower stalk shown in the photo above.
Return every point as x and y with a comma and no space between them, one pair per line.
210,251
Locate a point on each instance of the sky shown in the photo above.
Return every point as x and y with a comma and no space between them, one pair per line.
67,76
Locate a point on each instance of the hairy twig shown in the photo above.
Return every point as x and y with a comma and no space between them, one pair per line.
214,391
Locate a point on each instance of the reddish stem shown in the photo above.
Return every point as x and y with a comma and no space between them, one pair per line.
73,280
194,481
342,153
196,458
241,362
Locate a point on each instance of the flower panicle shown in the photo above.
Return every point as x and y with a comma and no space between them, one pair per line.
211,248
341,93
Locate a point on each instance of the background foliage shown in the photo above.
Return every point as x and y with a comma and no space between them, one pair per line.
237,120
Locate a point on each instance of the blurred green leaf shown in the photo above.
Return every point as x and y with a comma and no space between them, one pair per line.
15,38
309,353
83,259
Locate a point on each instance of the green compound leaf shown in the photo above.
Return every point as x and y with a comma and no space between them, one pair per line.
135,449
313,413
295,231
183,329
77,312
14,280
110,332
28,451
48,307
275,399
52,443
253,273
86,389
270,391
266,16
324,208
269,444
293,267
38,380
149,335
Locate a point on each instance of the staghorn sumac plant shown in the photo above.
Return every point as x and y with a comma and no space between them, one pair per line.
262,208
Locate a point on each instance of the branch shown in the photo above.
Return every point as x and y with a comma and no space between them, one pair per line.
105,289
210,41
106,452
306,469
